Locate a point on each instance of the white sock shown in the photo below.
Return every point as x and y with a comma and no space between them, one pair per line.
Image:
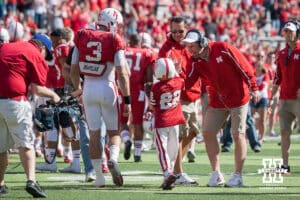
76,157
97,167
166,173
114,152
125,135
59,145
104,159
37,143
67,151
138,144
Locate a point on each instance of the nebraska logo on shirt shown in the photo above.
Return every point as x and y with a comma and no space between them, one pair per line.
296,57
219,59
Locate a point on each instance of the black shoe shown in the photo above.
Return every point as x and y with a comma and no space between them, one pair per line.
225,149
191,156
137,159
286,169
127,149
35,189
279,143
256,149
3,190
168,183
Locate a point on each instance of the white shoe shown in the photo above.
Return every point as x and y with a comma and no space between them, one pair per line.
145,148
199,138
90,177
71,169
100,181
235,181
115,172
47,167
184,179
216,179
153,146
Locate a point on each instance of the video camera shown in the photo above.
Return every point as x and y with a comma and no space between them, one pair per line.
50,115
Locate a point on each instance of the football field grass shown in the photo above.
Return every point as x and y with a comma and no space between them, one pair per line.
142,180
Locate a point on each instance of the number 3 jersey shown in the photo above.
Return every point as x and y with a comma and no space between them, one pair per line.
165,97
97,52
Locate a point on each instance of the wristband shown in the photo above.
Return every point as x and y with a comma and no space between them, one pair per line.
127,99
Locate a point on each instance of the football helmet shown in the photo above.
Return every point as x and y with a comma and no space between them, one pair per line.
164,69
111,18
148,122
4,36
146,40
15,30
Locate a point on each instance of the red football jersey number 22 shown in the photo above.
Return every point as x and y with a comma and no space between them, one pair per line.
169,100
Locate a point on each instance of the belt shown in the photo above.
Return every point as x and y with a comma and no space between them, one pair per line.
17,98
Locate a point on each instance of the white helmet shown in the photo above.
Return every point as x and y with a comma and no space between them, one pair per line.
164,69
4,36
110,18
146,40
148,122
15,30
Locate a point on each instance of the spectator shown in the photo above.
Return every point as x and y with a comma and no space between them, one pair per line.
262,80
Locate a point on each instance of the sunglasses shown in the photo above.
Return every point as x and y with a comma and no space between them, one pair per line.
177,31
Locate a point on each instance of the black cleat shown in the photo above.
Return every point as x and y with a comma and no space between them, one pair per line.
168,183
137,159
286,169
225,149
127,149
3,190
35,189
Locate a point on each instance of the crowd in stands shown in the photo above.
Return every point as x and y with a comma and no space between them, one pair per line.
241,22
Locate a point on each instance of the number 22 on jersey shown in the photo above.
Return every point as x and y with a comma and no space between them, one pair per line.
169,100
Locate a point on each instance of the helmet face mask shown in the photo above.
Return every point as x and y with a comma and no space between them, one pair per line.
164,69
111,19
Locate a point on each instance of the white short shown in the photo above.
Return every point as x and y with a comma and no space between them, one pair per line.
100,100
16,126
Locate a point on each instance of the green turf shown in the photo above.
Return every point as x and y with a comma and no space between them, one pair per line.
142,180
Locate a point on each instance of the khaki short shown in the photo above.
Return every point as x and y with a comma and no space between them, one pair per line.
216,117
15,125
204,103
288,111
190,112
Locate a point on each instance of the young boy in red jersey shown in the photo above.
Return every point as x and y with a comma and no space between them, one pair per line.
165,98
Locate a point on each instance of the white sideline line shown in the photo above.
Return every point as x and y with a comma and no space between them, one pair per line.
129,176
